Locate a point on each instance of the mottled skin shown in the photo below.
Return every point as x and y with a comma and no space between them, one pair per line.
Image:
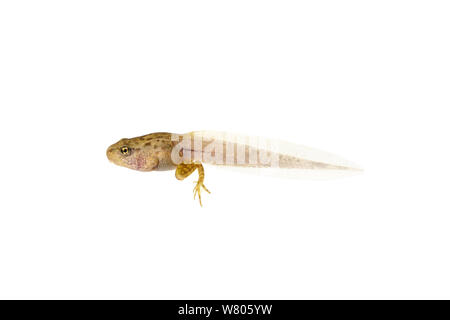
166,151
146,153
152,152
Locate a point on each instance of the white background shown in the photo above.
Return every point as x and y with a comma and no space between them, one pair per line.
368,80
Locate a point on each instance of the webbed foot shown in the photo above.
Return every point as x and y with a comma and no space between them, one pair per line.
197,189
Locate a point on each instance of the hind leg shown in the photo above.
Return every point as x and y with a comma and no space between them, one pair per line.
185,170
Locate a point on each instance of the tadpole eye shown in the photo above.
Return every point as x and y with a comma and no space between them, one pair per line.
125,150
